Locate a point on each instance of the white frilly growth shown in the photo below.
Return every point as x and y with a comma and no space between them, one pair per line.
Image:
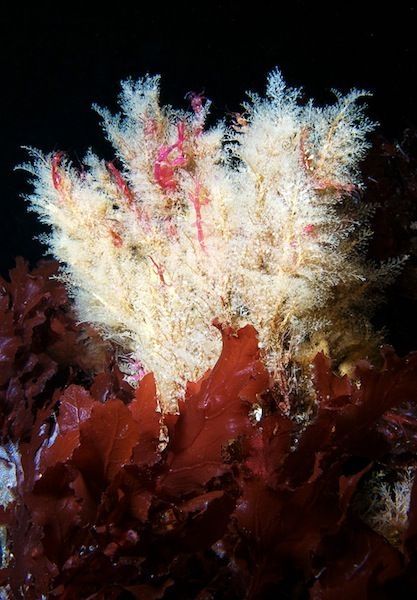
384,505
10,471
257,222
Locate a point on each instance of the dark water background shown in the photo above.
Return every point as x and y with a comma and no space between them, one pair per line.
57,60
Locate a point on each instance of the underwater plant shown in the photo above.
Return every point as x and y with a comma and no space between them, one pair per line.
193,400
258,222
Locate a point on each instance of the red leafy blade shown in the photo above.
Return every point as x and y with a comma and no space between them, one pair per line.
215,415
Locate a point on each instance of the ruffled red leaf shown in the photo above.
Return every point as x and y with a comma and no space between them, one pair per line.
107,440
145,411
215,415
74,409
359,563
40,345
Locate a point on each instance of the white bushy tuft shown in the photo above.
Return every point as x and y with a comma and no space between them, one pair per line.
384,505
258,222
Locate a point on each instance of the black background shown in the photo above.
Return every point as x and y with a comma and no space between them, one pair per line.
59,59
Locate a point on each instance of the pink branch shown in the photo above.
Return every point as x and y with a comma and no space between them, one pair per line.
159,270
128,194
199,199
121,183
56,175
169,159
